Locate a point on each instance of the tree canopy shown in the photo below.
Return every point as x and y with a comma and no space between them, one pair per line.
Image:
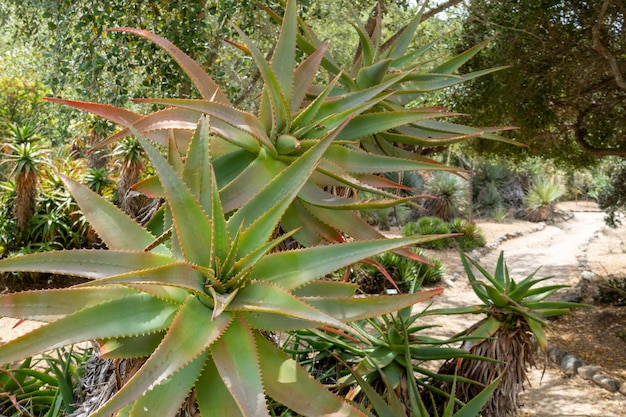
565,89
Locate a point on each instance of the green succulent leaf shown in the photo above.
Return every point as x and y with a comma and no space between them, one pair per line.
293,269
83,263
267,298
304,76
53,304
113,226
190,334
350,309
291,385
167,397
203,82
193,227
237,361
149,315
274,199
130,347
214,398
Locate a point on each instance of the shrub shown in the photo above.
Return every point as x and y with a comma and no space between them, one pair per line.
471,235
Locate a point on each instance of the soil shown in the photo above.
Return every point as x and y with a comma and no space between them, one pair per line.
590,334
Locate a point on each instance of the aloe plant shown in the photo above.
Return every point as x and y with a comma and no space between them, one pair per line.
515,315
197,298
294,114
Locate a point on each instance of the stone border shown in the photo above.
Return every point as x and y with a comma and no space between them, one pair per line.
571,365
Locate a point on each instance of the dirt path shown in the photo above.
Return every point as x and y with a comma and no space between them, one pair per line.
555,249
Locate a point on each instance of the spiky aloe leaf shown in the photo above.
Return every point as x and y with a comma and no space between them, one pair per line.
283,61
293,269
205,84
291,385
457,61
356,161
192,225
260,297
113,226
214,398
149,315
275,110
167,397
52,304
242,121
86,263
238,362
352,309
130,347
180,274
190,334
276,197
304,76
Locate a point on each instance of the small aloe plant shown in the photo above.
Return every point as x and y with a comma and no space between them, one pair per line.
515,315
197,299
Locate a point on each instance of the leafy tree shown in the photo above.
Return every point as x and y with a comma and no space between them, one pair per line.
565,89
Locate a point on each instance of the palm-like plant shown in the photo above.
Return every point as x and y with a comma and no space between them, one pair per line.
131,167
201,288
27,159
514,324
449,195
97,179
541,197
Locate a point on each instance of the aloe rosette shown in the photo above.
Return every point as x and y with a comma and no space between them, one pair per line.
295,114
197,298
513,325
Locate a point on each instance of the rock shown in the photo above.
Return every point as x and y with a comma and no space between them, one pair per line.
607,383
622,389
588,371
556,355
587,275
572,296
448,282
570,364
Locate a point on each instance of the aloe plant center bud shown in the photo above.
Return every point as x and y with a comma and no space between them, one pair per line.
287,144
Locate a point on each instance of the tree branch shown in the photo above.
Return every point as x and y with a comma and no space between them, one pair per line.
440,8
580,134
604,51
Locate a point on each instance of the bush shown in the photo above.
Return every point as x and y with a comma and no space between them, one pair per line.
471,235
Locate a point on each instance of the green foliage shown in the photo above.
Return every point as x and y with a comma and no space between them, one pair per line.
469,235
575,108
611,194
42,386
386,374
390,270
205,281
97,179
543,193
213,274
488,182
